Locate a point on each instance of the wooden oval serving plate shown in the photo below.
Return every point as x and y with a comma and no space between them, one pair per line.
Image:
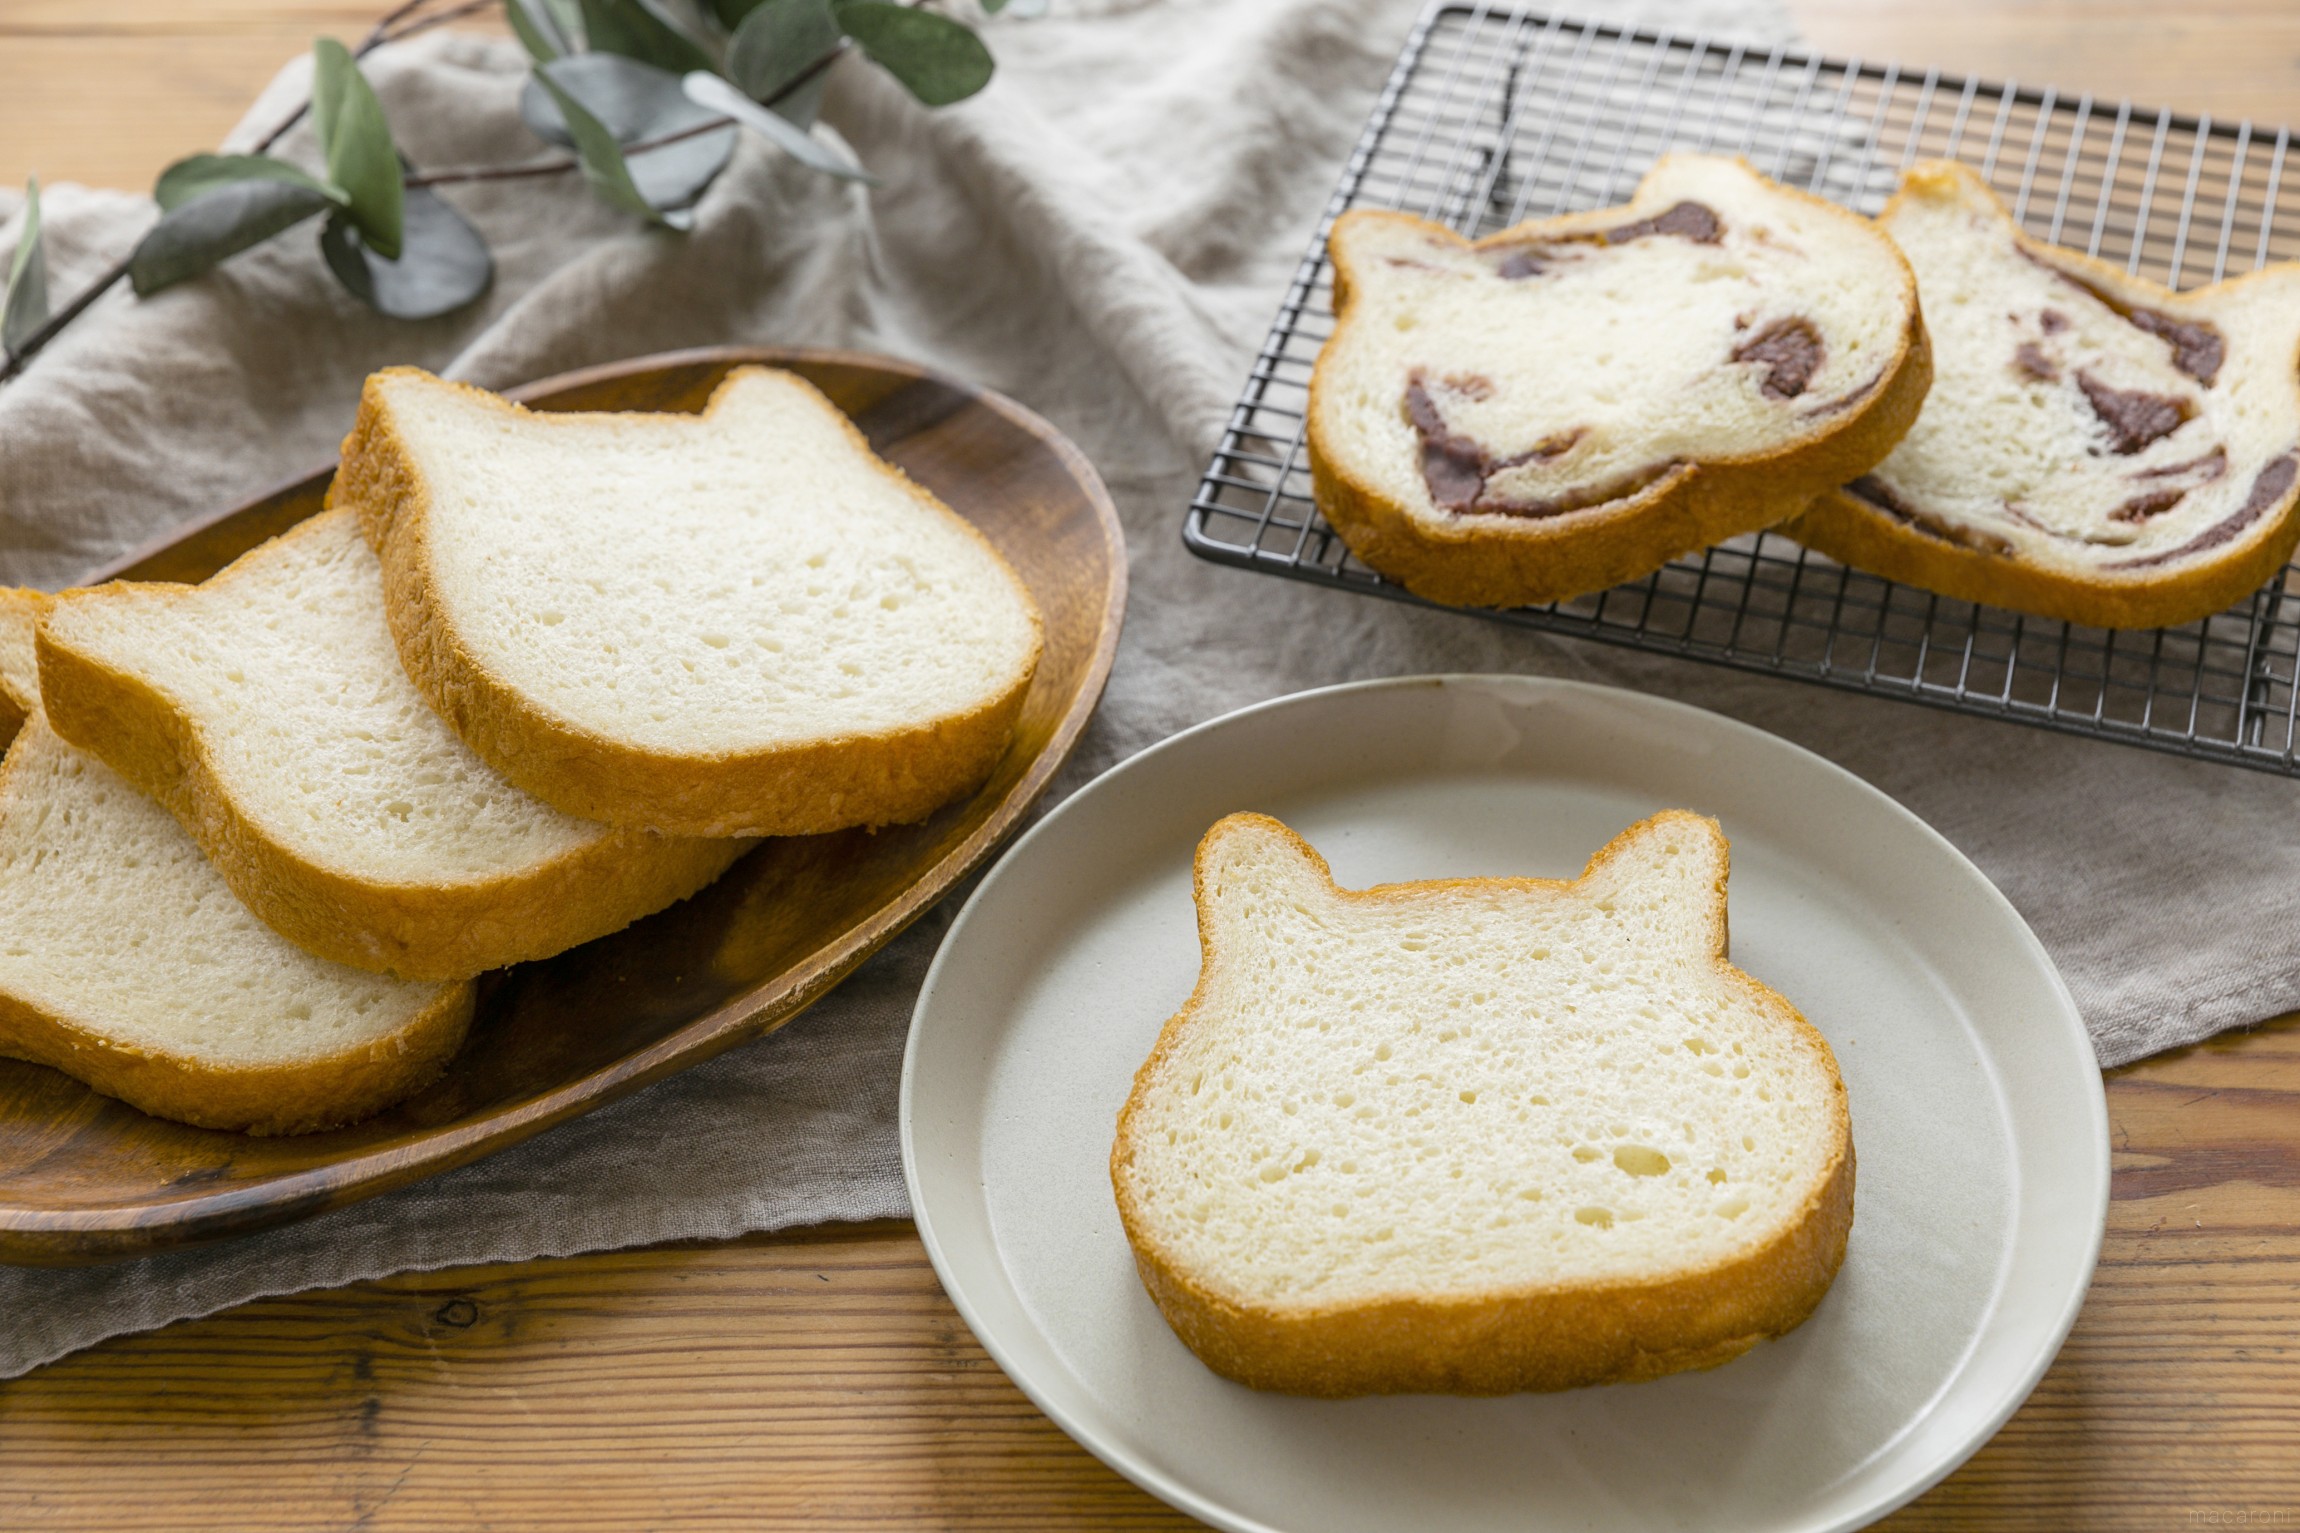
85,1179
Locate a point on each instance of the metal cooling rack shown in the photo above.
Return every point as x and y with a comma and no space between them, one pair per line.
1495,115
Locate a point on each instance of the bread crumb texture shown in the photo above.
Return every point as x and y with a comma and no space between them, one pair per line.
126,962
286,668
2096,447
709,583
1472,1100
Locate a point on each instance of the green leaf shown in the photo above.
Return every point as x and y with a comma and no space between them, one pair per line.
196,235
356,139
201,174
26,309
776,44
443,264
601,156
643,32
538,30
569,15
635,102
935,58
731,13
712,91
993,7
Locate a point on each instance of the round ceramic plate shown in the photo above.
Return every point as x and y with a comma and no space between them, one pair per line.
1977,1115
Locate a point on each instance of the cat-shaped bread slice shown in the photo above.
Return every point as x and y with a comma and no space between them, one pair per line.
1479,1135
266,708
126,962
1574,401
2096,447
738,623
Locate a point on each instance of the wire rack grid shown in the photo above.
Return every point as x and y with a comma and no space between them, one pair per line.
1496,115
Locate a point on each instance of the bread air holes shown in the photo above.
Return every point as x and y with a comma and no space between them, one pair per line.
1594,1217
1640,1160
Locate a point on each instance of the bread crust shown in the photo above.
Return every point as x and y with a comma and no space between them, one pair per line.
876,778
1492,560
1504,1339
430,930
323,1090
297,1097
1851,531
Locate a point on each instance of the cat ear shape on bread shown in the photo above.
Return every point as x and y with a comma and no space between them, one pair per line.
1667,873
1670,870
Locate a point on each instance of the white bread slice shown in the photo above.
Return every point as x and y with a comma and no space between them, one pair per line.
1479,1135
2096,447
266,709
738,623
1573,402
126,962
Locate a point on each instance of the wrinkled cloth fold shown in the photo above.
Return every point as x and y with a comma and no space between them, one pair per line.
1103,234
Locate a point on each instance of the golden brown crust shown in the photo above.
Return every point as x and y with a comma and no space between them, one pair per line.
20,613
296,1097
437,931
1484,560
1852,531
880,778
326,1091
1503,1340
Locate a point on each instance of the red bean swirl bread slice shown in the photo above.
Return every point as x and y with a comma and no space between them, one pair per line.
1573,402
2096,447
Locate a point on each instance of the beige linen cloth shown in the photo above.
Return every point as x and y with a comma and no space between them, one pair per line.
1103,234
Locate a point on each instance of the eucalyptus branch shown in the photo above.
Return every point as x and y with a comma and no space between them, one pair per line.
388,30
467,174
464,175
62,317
383,32
217,205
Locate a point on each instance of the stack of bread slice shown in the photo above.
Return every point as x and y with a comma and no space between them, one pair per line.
1934,396
529,679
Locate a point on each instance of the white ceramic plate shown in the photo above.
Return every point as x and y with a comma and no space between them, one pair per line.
1977,1116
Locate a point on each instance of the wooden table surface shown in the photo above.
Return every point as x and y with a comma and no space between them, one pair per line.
819,1378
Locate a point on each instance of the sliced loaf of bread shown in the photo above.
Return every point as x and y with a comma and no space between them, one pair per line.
267,710
126,962
1479,1135
2096,447
1572,402
737,623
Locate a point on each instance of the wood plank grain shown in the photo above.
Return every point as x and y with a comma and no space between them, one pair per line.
108,92
820,1379
2234,59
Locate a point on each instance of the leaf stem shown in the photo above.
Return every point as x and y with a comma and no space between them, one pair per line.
388,30
57,321
465,175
